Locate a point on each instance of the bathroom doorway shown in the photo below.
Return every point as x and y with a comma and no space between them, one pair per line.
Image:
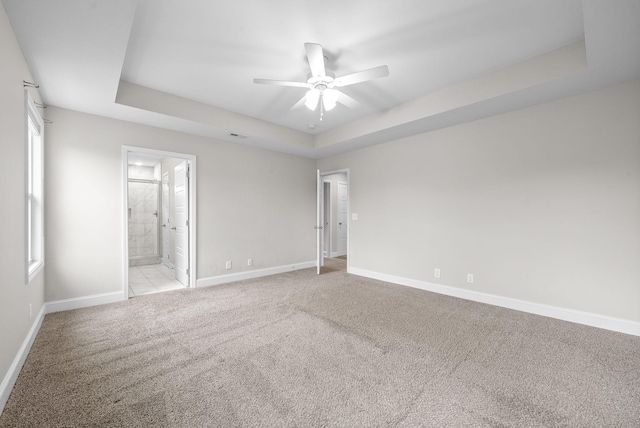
333,209
159,221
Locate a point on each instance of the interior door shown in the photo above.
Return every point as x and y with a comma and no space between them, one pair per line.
326,219
166,227
318,227
342,218
181,222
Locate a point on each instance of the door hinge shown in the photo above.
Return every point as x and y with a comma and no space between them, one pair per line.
187,222
187,271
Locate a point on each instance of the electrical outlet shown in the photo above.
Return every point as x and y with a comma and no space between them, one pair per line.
249,262
470,278
436,273
228,264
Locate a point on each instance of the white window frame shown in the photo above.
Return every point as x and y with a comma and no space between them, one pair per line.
34,133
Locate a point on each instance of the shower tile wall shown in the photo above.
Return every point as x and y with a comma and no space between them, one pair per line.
143,224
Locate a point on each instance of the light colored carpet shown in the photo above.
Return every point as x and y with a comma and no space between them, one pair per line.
298,350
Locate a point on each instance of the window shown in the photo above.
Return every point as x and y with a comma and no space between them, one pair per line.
35,189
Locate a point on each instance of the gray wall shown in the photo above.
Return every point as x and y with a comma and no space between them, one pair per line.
251,203
15,294
540,204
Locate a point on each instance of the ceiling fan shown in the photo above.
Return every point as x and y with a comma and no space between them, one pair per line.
322,84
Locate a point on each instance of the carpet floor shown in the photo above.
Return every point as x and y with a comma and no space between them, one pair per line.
335,350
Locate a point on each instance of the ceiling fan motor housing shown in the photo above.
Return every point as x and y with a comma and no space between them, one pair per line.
321,82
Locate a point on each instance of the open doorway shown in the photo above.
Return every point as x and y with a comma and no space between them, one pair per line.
159,221
333,209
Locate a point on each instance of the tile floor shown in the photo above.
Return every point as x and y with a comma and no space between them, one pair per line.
151,279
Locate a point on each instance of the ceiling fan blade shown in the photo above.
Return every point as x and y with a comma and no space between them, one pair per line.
316,59
347,100
361,76
283,83
300,103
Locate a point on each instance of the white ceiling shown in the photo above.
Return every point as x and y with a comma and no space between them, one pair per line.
189,65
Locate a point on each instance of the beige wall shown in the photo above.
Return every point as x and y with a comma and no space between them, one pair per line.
15,294
251,203
540,204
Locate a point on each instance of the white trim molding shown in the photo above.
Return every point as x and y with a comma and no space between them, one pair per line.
83,302
14,370
258,273
565,314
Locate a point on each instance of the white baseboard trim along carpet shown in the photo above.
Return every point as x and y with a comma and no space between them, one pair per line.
258,273
579,317
83,302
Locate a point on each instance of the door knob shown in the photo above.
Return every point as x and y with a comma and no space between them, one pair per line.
173,228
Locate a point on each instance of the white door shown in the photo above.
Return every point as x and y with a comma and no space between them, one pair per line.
342,218
181,222
166,227
318,227
326,216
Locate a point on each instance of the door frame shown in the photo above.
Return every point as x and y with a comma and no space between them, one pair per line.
320,210
191,160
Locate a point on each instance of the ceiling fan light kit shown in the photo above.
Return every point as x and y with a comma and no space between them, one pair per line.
328,96
321,83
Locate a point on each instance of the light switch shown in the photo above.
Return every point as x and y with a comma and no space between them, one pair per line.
354,216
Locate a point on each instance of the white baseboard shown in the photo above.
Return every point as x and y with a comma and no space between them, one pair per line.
83,302
14,370
571,315
232,277
334,254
